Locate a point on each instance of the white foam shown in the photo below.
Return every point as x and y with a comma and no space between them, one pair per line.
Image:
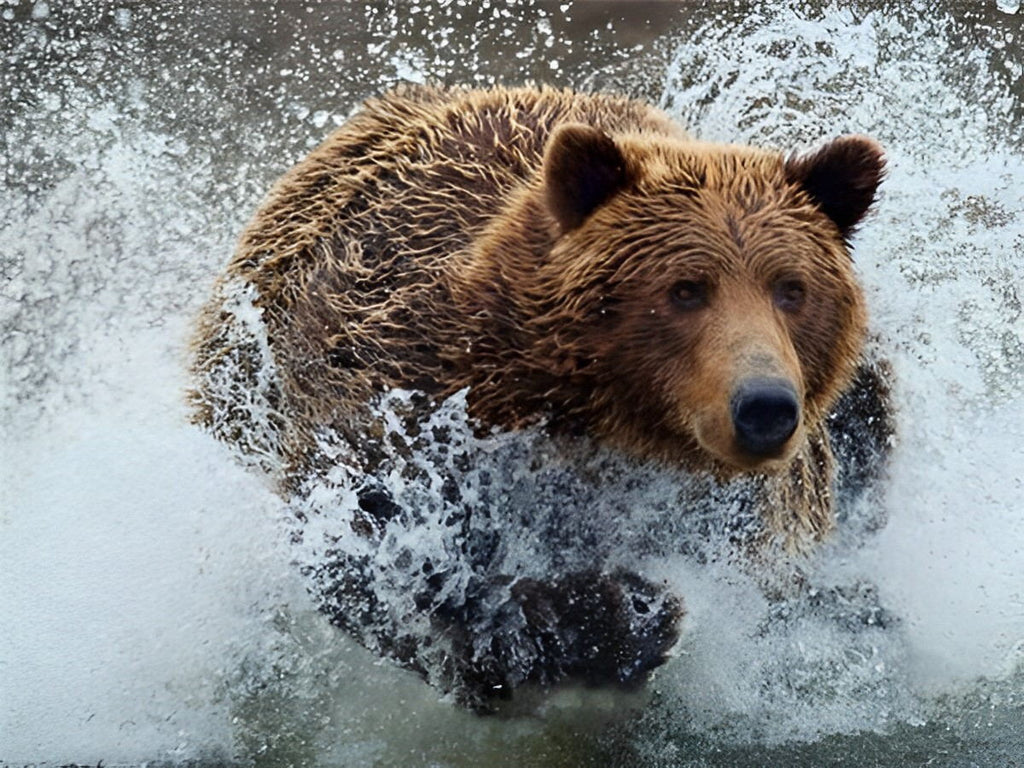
133,554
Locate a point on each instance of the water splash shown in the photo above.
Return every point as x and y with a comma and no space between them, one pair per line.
154,613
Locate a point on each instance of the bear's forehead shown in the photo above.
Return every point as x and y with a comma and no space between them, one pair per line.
726,186
711,232
672,214
669,162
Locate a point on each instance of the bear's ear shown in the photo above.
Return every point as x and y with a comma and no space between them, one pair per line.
841,178
582,169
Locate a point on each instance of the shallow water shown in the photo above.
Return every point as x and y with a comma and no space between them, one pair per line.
151,608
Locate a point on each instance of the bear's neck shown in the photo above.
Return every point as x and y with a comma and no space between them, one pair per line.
504,355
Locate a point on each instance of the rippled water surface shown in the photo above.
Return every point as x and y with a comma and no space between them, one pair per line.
150,606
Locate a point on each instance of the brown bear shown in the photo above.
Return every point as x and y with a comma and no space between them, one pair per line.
562,259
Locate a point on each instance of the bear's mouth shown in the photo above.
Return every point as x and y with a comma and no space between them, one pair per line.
738,461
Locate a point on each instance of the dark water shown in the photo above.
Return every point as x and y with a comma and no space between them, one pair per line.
150,609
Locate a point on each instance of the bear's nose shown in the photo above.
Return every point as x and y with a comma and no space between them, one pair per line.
765,413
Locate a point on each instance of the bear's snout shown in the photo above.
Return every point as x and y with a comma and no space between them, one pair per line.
765,414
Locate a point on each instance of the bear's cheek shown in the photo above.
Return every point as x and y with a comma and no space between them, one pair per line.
829,338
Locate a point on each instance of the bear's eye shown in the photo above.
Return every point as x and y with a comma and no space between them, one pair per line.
789,295
689,294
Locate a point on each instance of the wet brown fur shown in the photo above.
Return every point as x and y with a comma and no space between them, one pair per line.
434,242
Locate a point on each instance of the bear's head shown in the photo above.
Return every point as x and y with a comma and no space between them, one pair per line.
684,300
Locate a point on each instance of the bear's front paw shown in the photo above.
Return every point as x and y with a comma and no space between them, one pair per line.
598,628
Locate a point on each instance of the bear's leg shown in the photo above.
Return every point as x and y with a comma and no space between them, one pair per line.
861,428
599,629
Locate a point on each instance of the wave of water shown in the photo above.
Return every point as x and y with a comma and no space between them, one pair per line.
151,608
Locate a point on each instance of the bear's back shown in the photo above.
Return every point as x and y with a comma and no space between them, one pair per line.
419,171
